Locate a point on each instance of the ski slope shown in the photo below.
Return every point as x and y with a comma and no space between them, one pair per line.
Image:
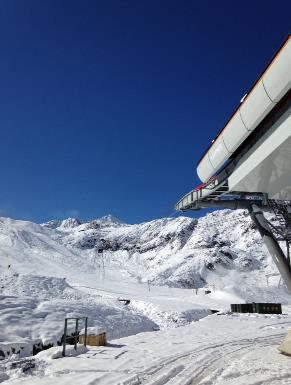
167,333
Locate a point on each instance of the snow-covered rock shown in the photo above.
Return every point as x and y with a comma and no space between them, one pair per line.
179,252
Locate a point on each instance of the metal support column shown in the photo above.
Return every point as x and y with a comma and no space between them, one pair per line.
64,337
271,243
288,251
76,333
86,326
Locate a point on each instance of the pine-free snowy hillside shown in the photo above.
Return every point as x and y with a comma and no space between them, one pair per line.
58,269
219,248
31,248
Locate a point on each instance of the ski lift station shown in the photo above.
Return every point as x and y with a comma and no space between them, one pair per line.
248,164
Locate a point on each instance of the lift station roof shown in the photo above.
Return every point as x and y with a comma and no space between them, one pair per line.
252,152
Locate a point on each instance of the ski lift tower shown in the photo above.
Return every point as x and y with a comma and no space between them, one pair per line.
248,164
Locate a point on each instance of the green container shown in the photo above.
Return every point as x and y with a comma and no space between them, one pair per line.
241,308
261,308
267,308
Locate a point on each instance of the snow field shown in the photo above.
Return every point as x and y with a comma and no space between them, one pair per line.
219,349
52,271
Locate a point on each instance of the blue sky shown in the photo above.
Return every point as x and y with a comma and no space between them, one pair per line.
107,105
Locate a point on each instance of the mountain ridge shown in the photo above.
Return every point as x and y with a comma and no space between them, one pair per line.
178,252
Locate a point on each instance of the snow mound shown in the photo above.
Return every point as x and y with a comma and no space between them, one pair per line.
57,352
35,286
93,331
33,309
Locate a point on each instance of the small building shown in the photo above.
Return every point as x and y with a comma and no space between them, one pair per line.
261,308
95,336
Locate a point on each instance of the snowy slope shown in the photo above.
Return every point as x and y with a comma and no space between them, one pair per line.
180,252
53,270
74,268
30,248
216,250
218,350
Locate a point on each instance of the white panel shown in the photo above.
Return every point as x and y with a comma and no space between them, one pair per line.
205,169
189,198
218,153
277,79
266,167
234,133
256,106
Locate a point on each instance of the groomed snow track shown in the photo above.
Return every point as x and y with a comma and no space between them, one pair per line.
193,367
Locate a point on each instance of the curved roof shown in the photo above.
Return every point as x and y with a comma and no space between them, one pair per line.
265,93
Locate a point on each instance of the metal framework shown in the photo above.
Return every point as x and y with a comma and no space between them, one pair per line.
76,333
216,194
270,233
282,210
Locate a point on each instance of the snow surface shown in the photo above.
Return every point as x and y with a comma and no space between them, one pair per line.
58,269
220,349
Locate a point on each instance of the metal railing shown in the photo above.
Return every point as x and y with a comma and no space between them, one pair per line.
76,334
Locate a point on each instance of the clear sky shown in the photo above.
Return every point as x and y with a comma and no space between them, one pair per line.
107,105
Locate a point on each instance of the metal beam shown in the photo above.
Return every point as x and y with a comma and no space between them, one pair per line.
271,243
233,204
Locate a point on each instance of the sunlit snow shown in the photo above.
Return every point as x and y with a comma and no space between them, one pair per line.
167,334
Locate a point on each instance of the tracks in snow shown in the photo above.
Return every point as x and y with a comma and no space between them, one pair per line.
193,367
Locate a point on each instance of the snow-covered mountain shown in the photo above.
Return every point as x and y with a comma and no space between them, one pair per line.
75,268
178,252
